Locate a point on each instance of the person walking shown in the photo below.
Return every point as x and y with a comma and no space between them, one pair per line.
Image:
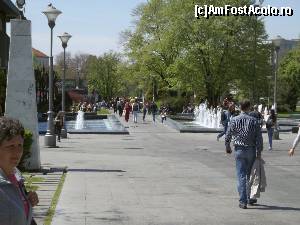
153,109
15,202
225,117
127,109
145,109
295,143
248,144
256,114
135,110
115,104
163,113
270,125
120,107
59,123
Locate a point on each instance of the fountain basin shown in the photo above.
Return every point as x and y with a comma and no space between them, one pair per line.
109,125
188,126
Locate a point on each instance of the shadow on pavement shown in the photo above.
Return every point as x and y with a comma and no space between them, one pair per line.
273,207
96,170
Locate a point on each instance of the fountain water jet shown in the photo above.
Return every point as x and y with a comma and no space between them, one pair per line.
79,120
207,117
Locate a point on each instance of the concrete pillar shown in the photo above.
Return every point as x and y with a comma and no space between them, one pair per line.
21,92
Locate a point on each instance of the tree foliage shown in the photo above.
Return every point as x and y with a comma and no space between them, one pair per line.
289,80
206,57
102,74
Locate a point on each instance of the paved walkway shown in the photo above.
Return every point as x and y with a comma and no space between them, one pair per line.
46,190
158,176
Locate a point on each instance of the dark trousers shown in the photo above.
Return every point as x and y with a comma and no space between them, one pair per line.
144,114
58,128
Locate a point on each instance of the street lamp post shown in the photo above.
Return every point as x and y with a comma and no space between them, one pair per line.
269,81
277,48
276,131
64,40
50,137
253,95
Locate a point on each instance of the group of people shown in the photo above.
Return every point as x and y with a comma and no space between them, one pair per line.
16,203
245,130
126,107
85,107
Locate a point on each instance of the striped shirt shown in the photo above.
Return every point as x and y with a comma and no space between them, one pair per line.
297,139
245,131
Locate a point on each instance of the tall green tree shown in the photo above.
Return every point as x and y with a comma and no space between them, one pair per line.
102,74
208,57
289,81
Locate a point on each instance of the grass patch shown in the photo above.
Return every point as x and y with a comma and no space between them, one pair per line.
295,115
103,111
282,115
54,201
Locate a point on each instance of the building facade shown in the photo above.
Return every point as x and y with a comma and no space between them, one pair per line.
40,59
285,45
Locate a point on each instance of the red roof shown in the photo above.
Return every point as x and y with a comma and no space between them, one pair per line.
39,54
76,96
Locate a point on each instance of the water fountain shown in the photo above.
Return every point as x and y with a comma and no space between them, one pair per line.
79,125
203,120
207,120
207,117
89,123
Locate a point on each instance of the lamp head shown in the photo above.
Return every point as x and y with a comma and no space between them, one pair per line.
64,39
51,13
20,4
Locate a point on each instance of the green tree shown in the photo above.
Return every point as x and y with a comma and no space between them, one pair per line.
102,74
289,81
206,57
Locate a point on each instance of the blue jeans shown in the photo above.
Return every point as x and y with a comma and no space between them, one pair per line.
224,130
270,136
244,158
135,115
153,114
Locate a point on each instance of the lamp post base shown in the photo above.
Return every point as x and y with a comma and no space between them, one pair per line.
63,133
50,140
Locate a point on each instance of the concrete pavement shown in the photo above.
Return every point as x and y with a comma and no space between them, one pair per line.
158,176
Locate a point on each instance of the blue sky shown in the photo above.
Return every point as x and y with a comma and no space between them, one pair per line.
96,24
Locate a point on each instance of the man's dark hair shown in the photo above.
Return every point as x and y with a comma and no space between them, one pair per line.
245,105
10,128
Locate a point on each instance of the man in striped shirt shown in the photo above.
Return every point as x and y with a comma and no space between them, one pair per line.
248,144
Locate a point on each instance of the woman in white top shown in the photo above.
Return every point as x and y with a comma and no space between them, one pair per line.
296,142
